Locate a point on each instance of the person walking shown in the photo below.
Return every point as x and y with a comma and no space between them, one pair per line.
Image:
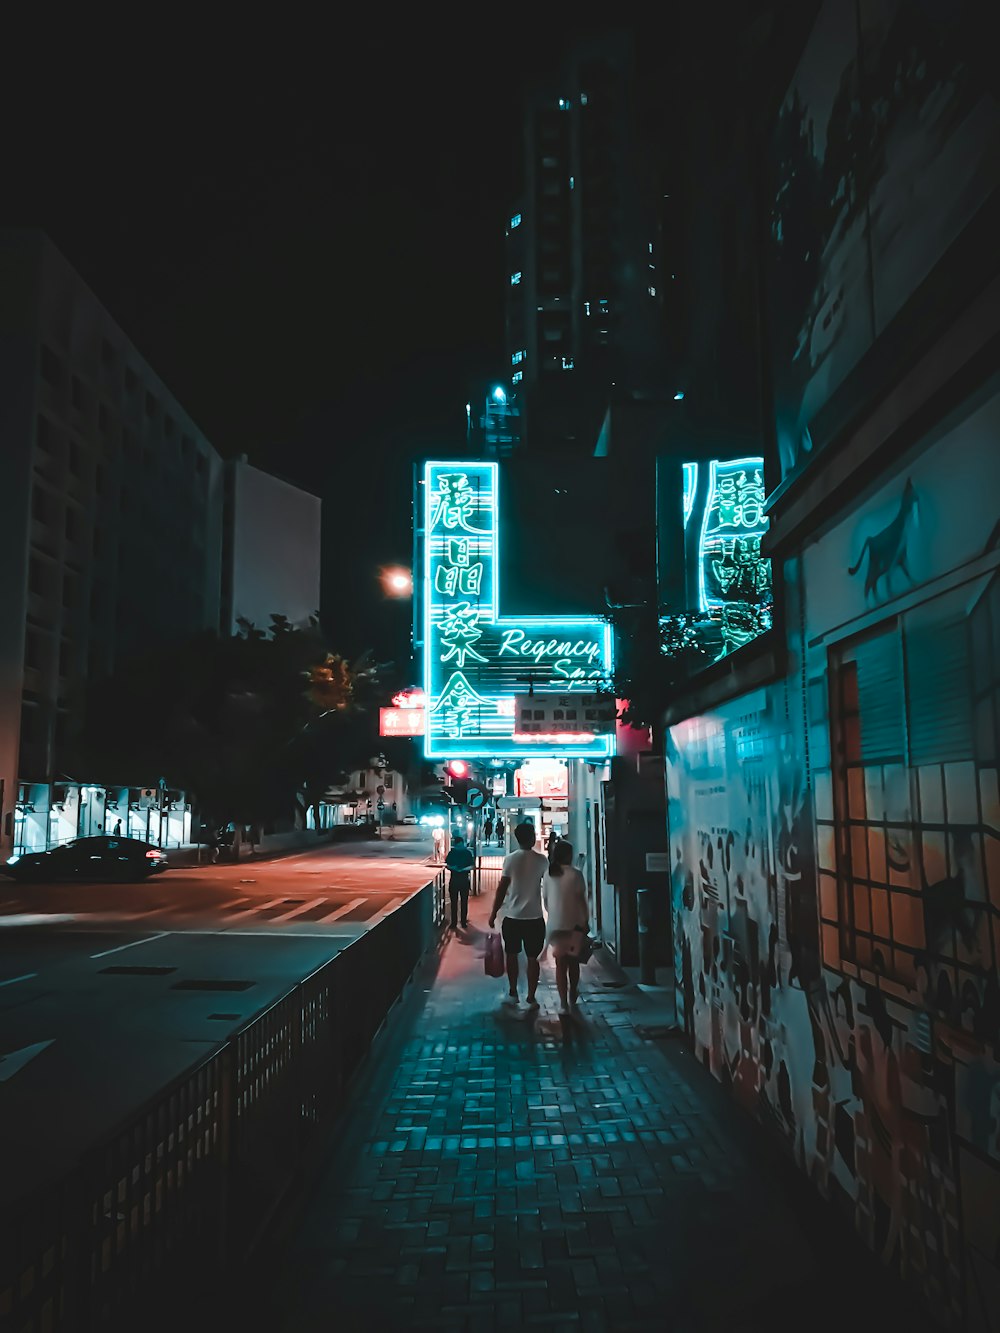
487,828
118,829
524,923
460,862
564,897
499,831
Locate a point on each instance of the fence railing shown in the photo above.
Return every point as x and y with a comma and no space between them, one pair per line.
186,1187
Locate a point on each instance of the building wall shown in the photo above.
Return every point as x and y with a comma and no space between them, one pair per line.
835,833
112,508
836,880
272,549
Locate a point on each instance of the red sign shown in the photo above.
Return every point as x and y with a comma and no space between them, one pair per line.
547,783
401,721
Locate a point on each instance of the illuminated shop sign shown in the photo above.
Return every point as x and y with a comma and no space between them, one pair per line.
734,579
476,661
401,721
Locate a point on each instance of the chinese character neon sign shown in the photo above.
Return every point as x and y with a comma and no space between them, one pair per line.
734,579
475,660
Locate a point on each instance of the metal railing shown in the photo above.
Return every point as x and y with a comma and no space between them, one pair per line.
187,1186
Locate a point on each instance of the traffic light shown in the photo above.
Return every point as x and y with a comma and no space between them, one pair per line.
458,771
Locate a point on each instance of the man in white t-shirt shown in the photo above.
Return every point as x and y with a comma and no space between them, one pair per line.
523,922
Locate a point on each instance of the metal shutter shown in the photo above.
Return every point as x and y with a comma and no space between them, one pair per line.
939,690
880,697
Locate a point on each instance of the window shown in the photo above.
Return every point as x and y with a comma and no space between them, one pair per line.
75,457
652,291
65,657
72,524
109,357
515,221
515,278
69,592
517,377
103,417
38,581
169,427
33,653
201,465
187,446
567,363
131,382
39,504
79,394
51,367
517,357
129,442
907,857
152,406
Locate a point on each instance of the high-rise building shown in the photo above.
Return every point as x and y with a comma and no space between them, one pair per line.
584,293
110,508
120,527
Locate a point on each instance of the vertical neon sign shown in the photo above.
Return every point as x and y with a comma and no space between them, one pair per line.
734,579
475,660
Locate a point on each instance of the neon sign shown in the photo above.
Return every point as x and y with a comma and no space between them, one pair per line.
401,721
734,579
475,660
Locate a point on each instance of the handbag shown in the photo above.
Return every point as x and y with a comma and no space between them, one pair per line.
587,946
493,959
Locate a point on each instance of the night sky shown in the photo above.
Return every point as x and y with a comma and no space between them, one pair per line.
302,232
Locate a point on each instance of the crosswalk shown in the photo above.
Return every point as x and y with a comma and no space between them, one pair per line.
343,908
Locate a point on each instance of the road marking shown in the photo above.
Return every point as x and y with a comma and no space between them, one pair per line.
273,934
16,1060
258,907
131,944
341,911
235,903
297,911
12,980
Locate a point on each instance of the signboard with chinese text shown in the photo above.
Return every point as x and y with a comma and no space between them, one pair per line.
476,661
543,717
401,721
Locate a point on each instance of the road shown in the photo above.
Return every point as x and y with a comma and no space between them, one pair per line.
107,992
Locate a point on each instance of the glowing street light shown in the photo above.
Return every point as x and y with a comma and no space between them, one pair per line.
397,582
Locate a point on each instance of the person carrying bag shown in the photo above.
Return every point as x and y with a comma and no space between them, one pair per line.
564,895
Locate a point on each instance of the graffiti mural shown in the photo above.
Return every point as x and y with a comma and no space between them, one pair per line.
855,1081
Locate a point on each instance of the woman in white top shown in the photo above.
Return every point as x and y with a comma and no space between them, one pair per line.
564,897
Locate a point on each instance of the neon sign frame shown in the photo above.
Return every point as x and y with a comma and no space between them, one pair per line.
732,525
474,658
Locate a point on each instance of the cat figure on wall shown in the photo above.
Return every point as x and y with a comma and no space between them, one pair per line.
886,549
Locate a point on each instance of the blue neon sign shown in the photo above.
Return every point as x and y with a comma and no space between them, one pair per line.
734,579
475,660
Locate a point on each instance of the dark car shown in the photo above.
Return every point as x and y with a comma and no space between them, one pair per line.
103,858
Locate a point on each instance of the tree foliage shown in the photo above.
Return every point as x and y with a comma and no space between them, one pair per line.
243,723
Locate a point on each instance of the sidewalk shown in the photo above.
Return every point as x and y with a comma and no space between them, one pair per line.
501,1170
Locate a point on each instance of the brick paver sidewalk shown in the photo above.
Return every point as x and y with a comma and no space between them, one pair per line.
503,1170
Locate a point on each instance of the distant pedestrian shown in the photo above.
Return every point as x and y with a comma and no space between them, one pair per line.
118,829
499,831
487,828
460,862
553,839
564,897
524,922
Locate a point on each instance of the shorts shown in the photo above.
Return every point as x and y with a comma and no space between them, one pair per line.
528,933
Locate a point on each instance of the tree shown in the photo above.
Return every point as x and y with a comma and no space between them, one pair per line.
244,722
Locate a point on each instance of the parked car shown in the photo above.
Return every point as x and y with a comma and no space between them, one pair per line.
409,819
101,858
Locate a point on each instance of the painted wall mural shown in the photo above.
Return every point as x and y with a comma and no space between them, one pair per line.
877,167
835,841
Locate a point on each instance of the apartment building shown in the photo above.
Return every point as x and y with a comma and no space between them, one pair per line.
110,510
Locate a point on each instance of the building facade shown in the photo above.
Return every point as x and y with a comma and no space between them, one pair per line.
832,795
582,284
110,514
271,549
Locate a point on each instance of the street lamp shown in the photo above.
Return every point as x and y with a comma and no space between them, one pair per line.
397,582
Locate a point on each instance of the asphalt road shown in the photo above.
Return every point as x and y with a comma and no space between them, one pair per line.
81,1046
